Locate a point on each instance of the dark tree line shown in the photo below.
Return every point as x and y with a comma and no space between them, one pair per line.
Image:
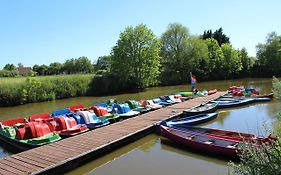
70,66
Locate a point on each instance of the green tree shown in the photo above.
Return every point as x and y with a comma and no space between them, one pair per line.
175,60
232,61
103,63
13,71
216,59
55,68
41,70
69,66
10,67
197,51
83,65
246,62
269,56
136,58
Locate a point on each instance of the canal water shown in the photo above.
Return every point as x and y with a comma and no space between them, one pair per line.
156,155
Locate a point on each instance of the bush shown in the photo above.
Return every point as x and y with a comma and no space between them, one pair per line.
264,160
276,85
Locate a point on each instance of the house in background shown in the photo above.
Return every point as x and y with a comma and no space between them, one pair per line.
23,71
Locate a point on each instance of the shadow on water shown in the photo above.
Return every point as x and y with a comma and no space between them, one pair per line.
171,146
143,144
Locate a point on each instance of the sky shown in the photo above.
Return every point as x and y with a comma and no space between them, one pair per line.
46,31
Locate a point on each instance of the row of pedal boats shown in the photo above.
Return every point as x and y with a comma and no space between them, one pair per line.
21,134
218,142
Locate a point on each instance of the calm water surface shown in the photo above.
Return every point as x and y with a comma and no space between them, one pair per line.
156,155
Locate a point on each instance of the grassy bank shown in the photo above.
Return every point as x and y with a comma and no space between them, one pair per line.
20,90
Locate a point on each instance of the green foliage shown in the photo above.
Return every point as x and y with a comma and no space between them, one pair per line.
175,60
135,58
262,160
103,63
232,61
216,58
14,91
276,87
247,62
269,57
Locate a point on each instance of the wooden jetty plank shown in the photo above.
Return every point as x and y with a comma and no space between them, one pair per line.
17,166
27,158
10,169
5,172
48,157
31,167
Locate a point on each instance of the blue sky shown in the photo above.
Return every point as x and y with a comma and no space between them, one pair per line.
41,32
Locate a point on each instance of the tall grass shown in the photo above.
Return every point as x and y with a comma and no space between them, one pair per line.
20,90
276,85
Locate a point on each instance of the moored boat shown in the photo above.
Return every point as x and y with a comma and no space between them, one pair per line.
191,120
135,106
203,108
103,113
150,104
24,136
230,102
63,125
124,110
216,141
201,142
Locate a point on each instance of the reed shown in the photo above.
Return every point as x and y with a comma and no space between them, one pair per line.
20,90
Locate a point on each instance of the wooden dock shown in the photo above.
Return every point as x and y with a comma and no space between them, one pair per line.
68,153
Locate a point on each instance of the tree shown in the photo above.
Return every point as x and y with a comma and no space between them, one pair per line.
13,71
69,66
269,55
10,67
55,68
174,54
246,62
197,51
220,37
232,61
217,35
83,65
136,58
103,63
40,70
216,59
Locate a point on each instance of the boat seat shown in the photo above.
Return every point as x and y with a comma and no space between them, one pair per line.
209,142
76,107
41,116
234,145
190,137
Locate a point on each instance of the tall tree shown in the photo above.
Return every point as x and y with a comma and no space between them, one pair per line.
246,62
103,63
269,55
174,54
220,37
135,57
232,61
217,35
216,59
10,67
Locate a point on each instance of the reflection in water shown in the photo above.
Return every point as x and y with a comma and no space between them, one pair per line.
143,144
169,145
